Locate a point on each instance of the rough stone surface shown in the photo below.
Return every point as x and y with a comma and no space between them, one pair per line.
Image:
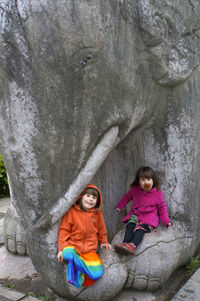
191,290
134,296
10,294
89,92
4,205
15,267
29,298
7,294
14,239
151,257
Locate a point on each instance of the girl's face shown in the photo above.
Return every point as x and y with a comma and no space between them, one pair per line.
88,201
146,183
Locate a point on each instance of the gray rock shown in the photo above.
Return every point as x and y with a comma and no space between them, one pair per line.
191,290
14,238
157,257
15,267
135,296
90,91
10,294
4,205
29,298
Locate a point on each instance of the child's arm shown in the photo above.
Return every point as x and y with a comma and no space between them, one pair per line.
162,209
169,224
59,256
107,246
102,232
125,200
64,232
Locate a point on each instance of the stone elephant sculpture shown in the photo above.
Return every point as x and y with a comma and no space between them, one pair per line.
91,90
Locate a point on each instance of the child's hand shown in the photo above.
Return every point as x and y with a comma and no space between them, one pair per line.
59,256
169,224
118,210
107,246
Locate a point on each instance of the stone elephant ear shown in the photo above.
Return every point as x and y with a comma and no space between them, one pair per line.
171,32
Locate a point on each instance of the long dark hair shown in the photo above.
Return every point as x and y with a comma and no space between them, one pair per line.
145,172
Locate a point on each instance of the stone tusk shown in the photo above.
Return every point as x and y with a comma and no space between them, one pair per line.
108,141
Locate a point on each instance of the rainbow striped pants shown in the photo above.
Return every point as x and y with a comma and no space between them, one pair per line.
82,269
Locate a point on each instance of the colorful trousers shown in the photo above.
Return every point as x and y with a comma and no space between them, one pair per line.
82,269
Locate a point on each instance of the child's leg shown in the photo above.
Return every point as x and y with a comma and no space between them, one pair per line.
128,246
139,233
128,237
138,237
129,234
89,264
73,275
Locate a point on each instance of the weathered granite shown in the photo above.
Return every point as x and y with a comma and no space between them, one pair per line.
15,267
191,290
4,205
10,294
90,91
7,294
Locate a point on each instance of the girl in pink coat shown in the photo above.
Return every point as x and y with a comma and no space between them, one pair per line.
148,202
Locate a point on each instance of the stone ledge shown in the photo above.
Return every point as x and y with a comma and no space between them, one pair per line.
10,294
191,290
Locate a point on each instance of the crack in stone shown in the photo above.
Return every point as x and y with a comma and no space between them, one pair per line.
2,9
83,288
165,242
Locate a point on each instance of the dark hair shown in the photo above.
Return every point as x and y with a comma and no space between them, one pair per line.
91,191
146,172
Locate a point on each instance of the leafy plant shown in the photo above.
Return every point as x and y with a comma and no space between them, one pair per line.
31,294
7,284
45,298
4,188
192,265
42,298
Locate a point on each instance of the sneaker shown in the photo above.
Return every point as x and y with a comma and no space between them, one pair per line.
125,248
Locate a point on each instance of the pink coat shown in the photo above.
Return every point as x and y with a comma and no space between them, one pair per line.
146,206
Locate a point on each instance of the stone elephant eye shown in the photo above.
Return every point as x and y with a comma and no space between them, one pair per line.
82,58
85,61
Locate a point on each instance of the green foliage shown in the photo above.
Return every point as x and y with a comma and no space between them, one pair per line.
43,298
7,284
31,294
192,265
4,188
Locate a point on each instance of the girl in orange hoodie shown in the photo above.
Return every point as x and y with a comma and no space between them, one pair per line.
81,228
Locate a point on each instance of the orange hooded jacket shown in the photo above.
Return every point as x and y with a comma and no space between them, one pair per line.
82,229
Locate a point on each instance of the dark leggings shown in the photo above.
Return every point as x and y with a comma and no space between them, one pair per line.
135,236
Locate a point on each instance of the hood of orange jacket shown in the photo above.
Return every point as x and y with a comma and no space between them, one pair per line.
94,187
